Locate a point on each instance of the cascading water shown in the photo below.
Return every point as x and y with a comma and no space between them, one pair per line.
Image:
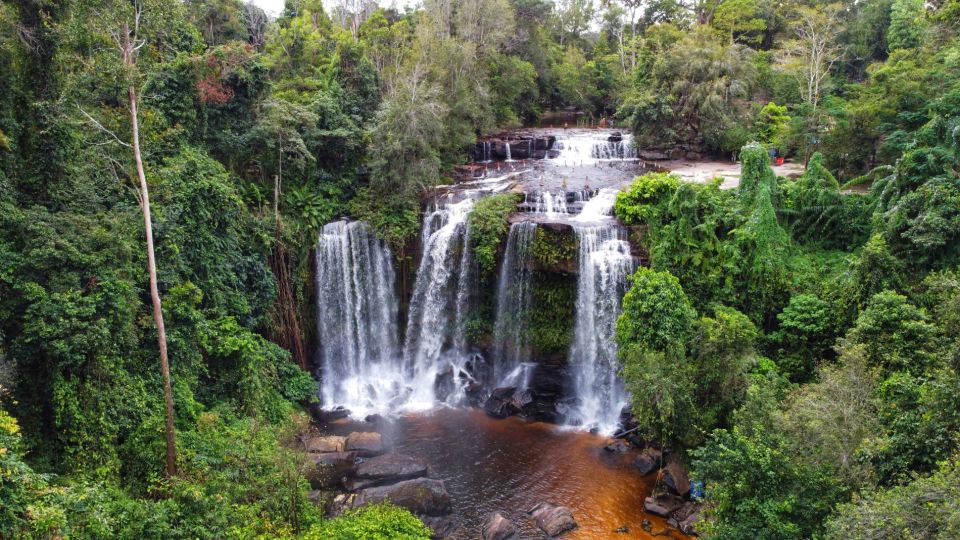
357,319
509,157
511,353
604,263
551,205
618,149
435,326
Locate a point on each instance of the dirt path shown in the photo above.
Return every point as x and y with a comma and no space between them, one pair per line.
703,171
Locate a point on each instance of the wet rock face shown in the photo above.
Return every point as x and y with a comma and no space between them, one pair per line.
674,475
498,527
662,505
553,520
425,496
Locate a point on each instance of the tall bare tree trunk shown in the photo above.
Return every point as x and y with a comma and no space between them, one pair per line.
151,262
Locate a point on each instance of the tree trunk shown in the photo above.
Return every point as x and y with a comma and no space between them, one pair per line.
151,263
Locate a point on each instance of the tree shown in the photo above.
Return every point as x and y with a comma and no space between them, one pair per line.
896,334
815,50
129,42
573,18
907,24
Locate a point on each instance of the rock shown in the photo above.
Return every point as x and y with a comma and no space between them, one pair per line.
687,517
653,155
441,527
647,461
674,475
329,469
616,136
500,402
553,520
365,444
444,384
387,469
662,505
323,416
498,527
618,446
420,495
329,443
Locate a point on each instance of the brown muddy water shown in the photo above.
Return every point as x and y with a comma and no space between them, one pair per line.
510,465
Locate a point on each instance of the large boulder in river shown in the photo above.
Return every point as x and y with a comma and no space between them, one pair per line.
674,475
326,470
328,443
648,460
553,520
387,469
421,496
500,403
498,527
365,444
442,527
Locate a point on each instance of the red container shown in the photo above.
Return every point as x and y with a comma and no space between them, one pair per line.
779,160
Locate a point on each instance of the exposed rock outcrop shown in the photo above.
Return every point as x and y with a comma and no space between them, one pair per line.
648,460
675,477
329,469
387,469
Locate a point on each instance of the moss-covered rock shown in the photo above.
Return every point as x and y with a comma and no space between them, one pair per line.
555,248
552,316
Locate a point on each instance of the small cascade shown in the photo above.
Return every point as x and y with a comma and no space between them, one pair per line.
511,330
509,157
439,306
546,203
616,149
486,152
357,319
605,263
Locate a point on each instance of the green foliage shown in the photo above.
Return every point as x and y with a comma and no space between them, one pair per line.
395,218
488,222
906,24
641,203
805,334
923,508
554,250
372,522
895,334
771,124
551,321
656,314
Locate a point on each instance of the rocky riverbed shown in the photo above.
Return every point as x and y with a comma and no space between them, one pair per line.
472,476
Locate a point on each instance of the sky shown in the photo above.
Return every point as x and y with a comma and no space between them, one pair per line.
274,7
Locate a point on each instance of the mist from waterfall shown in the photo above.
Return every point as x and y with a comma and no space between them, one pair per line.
357,319
511,343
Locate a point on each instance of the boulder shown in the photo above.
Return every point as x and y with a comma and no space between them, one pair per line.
674,475
387,469
618,446
329,469
365,444
647,461
425,496
553,520
328,443
441,527
498,527
662,505
500,402
323,416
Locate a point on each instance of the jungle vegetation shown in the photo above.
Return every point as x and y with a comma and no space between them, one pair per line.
807,342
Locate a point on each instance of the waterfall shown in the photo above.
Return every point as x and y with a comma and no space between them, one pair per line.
509,158
438,307
622,149
605,263
357,319
511,330
546,203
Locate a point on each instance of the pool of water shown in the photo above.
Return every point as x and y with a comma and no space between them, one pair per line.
510,465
